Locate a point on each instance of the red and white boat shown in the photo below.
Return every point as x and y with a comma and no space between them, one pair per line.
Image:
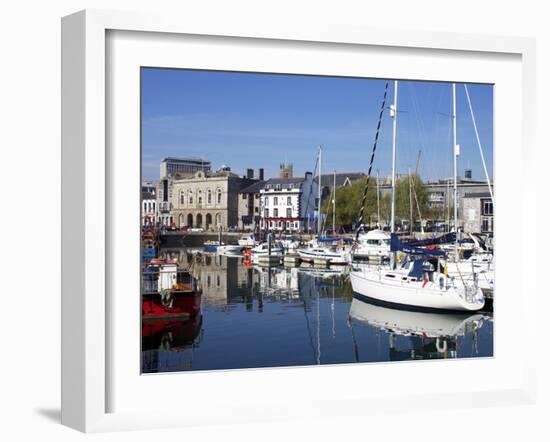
168,292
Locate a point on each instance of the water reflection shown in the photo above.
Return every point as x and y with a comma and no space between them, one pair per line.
428,335
255,316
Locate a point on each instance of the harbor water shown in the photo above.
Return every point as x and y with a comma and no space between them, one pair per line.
279,316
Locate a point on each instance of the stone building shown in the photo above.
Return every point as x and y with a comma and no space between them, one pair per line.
288,204
477,213
249,206
286,170
207,200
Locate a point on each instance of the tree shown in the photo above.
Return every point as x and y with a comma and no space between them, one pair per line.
348,202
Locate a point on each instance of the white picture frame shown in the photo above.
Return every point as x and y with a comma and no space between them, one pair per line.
86,199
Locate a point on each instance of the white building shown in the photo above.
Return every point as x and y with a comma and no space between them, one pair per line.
288,204
148,203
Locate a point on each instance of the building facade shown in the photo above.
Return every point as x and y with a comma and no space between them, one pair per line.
148,204
288,204
183,167
207,201
249,206
477,213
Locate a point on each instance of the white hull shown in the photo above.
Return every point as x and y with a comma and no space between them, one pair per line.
247,242
406,323
229,249
366,251
331,257
417,294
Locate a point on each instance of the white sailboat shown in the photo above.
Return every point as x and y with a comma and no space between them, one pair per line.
417,283
320,249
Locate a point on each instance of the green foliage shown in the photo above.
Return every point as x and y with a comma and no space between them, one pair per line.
348,202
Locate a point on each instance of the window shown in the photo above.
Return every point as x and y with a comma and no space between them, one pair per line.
255,210
182,198
289,212
275,213
288,224
219,196
487,208
295,224
275,201
244,196
209,197
266,213
190,197
288,200
278,187
280,224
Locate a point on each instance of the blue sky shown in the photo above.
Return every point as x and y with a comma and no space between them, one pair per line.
247,120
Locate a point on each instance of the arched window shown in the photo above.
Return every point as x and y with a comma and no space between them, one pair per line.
190,197
182,198
219,196
209,197
218,219
199,197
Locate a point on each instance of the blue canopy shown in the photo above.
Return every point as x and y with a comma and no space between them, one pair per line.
445,239
397,246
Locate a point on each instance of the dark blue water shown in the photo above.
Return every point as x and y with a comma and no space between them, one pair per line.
272,317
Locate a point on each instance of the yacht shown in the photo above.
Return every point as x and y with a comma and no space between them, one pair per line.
372,243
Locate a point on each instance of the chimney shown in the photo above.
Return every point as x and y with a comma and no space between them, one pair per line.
250,173
261,174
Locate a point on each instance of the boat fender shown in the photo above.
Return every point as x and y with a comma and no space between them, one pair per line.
441,349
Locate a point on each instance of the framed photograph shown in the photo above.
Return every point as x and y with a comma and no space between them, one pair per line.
250,213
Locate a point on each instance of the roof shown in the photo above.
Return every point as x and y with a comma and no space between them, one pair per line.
253,188
477,195
147,196
328,178
189,159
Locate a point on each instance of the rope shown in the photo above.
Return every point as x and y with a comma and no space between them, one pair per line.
364,199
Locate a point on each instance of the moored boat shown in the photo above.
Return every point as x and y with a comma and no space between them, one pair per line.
168,292
374,243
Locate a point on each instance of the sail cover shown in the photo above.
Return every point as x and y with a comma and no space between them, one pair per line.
445,239
397,246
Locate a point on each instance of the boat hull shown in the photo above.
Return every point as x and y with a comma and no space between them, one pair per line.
411,297
335,258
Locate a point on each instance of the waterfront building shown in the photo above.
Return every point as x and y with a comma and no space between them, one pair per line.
164,204
148,203
288,204
477,213
440,195
183,167
207,200
249,206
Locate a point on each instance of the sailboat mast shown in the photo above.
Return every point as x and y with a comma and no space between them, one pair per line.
334,205
456,152
319,195
393,114
410,203
378,196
